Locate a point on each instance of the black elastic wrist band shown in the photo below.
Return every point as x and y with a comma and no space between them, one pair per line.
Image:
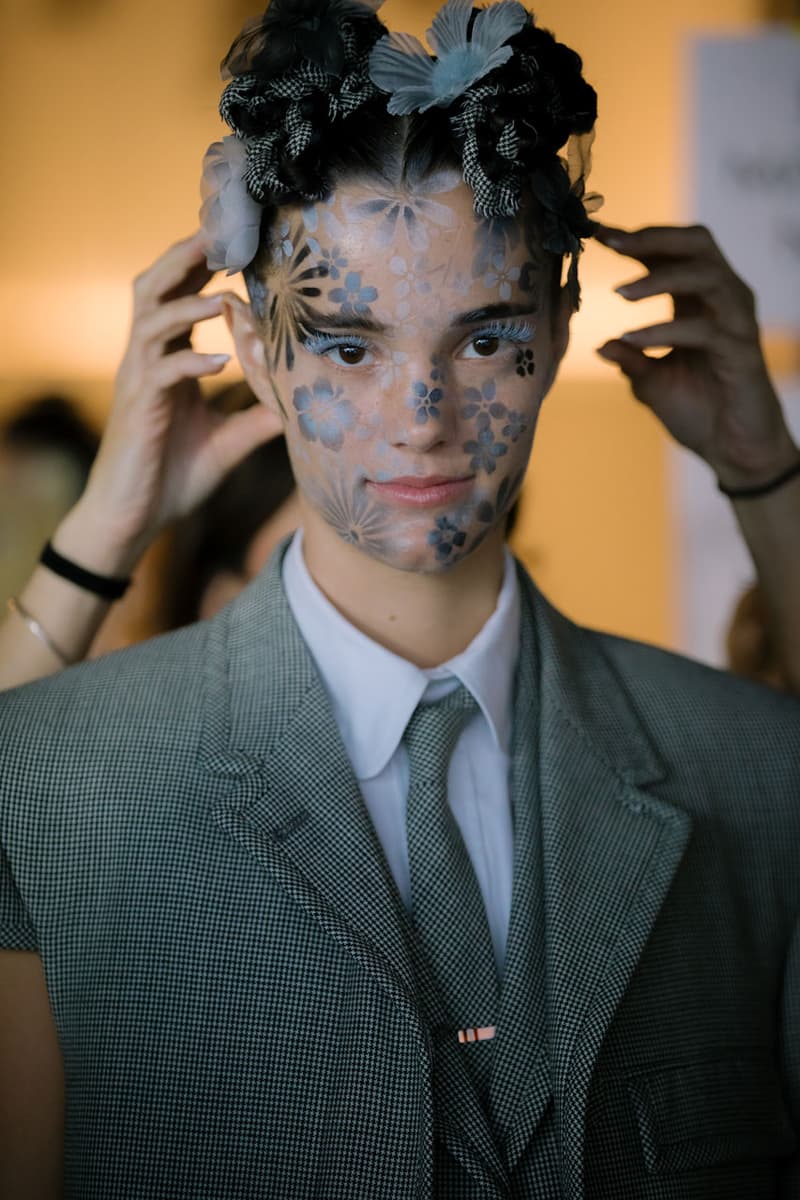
762,489
101,585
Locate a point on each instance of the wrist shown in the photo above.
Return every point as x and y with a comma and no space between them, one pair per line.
763,469
86,539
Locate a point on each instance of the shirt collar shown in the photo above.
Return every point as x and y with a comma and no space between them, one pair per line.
374,691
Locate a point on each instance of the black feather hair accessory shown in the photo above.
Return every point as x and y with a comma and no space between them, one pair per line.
291,30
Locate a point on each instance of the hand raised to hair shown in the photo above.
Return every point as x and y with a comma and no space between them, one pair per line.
164,450
712,391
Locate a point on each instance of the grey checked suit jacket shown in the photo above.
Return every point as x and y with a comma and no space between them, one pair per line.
184,843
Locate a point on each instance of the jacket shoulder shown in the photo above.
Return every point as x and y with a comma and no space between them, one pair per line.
707,717
651,669
95,707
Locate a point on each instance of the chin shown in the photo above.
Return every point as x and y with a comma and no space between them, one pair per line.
414,552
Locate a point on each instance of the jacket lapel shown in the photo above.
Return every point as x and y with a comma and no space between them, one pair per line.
610,850
293,802
520,1084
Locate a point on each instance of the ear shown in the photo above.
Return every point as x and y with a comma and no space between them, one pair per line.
560,317
250,349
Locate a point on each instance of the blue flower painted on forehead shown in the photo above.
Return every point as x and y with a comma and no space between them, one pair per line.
400,64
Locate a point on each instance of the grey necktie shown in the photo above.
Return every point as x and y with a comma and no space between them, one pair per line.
448,910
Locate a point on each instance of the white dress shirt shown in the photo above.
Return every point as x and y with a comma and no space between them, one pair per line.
374,693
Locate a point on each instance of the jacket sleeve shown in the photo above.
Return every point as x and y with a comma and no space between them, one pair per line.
16,929
790,1064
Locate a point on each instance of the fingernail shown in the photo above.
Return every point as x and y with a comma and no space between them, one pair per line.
220,359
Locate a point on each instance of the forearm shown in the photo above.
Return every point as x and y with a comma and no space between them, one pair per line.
770,526
70,615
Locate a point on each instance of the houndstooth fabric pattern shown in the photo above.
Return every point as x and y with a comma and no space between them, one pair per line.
502,196
448,910
281,117
234,978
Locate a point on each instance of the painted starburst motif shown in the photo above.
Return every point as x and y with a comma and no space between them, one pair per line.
412,213
355,517
289,317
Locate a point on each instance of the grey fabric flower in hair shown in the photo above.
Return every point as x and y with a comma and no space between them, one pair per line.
400,65
230,217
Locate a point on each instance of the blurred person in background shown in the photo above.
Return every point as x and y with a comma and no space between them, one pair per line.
222,546
204,559
750,643
164,451
188,571
46,452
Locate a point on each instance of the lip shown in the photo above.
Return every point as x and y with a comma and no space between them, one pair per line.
424,491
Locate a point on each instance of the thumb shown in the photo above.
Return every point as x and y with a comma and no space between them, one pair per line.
632,362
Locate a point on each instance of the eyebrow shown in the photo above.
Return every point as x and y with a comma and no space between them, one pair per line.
343,320
368,324
495,312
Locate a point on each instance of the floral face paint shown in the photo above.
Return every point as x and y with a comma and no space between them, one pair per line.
409,344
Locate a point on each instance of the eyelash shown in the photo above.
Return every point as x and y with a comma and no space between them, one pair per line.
322,343
516,332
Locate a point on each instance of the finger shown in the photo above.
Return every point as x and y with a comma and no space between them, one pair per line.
691,333
679,279
711,284
660,241
242,432
632,362
187,364
170,321
182,264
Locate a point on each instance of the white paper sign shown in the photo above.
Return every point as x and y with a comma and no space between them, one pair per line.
744,136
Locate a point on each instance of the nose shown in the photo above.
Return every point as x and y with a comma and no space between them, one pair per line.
424,412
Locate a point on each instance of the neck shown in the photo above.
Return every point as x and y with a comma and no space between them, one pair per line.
425,618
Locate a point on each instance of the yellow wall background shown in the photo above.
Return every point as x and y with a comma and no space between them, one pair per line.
108,108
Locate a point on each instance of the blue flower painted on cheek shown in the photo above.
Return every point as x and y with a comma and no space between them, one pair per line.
485,450
483,401
323,414
352,296
516,426
446,537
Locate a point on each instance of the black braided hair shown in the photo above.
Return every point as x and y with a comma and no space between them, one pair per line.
300,93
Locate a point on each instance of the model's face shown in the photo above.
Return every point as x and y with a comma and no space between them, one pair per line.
409,346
